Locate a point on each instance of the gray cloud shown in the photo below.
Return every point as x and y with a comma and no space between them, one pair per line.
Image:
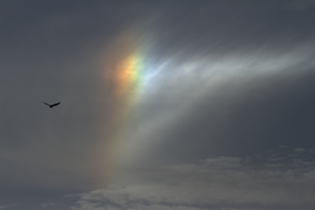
216,183
227,80
6,206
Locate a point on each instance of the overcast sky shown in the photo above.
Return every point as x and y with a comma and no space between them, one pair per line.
220,116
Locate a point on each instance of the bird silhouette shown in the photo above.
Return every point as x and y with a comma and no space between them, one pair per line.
51,105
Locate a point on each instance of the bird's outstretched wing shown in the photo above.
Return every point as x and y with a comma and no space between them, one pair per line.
46,103
56,104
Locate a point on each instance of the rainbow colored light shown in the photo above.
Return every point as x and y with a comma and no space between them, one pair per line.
124,70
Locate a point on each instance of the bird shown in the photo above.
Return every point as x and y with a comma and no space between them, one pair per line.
52,105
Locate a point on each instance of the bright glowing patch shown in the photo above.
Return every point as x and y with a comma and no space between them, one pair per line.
129,76
124,69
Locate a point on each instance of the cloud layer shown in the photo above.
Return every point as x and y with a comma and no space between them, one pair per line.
226,83
282,179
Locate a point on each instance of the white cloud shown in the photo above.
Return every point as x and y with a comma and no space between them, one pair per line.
223,183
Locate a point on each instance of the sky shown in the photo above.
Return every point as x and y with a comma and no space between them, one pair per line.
165,105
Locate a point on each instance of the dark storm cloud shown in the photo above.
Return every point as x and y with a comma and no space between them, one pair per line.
223,26
49,51
301,4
